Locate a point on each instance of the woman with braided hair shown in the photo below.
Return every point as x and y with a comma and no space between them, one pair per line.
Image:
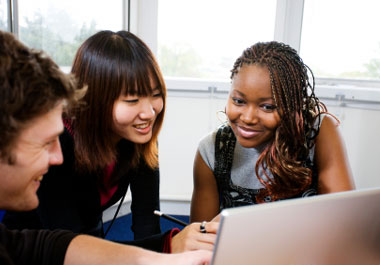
279,142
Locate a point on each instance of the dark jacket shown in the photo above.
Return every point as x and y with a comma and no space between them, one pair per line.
71,200
29,247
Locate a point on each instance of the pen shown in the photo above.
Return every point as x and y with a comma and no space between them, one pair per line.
175,220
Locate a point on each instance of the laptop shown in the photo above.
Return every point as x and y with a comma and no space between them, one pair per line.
334,229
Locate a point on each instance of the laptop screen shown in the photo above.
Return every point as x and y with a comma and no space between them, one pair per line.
340,228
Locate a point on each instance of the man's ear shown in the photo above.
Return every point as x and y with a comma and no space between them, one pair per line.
7,158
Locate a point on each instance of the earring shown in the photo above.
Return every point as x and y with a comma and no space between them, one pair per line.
222,116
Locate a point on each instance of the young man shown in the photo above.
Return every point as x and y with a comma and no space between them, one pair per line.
33,93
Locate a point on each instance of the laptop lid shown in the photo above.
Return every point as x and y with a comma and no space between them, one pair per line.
340,228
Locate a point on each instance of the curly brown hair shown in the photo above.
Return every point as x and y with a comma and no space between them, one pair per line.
30,84
292,84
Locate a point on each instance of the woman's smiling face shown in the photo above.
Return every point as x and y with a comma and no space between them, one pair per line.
135,116
250,108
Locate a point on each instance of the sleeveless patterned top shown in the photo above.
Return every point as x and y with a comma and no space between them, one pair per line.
230,194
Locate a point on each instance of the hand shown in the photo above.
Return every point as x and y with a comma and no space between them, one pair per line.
197,257
191,238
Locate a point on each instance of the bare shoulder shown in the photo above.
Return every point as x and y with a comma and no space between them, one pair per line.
329,130
329,120
331,158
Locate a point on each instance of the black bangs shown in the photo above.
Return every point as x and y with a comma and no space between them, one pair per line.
137,73
141,82
122,64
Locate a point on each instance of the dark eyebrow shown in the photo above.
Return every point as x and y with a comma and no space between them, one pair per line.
260,99
265,99
240,93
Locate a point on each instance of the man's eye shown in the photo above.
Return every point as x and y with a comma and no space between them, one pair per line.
50,143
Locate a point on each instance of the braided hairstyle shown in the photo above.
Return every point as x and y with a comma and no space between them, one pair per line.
292,84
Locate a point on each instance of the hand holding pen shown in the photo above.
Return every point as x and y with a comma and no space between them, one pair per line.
193,236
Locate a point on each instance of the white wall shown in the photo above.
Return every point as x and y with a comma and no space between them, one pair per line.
188,118
360,129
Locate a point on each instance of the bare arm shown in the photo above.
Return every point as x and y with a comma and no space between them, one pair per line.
331,158
89,250
205,199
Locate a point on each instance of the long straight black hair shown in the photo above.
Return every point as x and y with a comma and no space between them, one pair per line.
112,63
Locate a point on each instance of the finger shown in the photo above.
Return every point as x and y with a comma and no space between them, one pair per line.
212,227
201,245
206,238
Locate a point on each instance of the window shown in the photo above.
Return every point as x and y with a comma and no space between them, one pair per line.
340,38
59,27
4,15
202,39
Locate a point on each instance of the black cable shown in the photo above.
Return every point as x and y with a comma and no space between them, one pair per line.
116,213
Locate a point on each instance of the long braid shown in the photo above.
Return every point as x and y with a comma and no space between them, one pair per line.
285,156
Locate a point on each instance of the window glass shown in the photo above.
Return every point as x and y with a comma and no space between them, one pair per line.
4,15
340,38
59,27
202,39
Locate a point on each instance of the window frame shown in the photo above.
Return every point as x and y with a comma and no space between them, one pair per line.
13,25
141,16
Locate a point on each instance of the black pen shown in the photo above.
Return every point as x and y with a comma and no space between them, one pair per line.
175,220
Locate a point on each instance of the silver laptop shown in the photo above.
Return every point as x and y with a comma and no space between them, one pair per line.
335,229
